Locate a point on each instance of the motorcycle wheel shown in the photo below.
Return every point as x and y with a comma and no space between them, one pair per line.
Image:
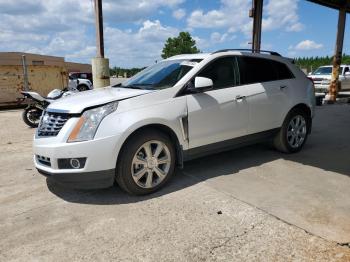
31,116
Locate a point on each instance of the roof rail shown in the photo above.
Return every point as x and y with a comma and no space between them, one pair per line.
250,50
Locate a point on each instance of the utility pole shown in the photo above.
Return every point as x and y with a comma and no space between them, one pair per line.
100,64
338,53
256,13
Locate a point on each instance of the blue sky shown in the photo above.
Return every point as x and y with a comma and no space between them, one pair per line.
135,30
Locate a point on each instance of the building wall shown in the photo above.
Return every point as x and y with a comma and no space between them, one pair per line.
78,67
41,79
44,74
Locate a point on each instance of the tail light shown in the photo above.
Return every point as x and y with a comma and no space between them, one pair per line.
313,83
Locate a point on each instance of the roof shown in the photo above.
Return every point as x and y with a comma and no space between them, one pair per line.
336,4
189,56
226,52
15,58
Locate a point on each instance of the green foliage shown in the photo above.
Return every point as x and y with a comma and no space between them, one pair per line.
182,44
118,71
312,63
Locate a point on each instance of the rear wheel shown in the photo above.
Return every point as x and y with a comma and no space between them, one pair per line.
293,133
146,163
82,88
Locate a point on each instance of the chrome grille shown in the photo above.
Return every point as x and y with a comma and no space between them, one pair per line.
51,123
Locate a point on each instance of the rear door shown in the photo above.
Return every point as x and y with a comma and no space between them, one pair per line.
267,82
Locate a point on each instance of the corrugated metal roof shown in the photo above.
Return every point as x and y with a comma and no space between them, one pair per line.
336,4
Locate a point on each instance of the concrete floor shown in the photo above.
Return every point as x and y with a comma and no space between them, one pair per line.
251,204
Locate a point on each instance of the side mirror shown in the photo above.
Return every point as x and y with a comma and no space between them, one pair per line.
347,73
203,83
309,74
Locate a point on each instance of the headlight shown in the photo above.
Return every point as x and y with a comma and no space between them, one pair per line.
88,123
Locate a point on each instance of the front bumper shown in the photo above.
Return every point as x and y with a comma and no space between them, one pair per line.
321,89
84,180
100,157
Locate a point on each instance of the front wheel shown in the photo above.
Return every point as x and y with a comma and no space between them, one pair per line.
31,116
146,163
293,133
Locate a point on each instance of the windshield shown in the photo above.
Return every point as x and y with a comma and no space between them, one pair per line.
326,70
162,75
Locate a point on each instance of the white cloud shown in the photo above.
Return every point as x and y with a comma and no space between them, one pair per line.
233,15
134,10
139,48
306,45
217,38
282,14
179,13
66,28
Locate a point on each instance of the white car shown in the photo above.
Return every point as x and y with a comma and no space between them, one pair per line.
184,107
322,78
79,84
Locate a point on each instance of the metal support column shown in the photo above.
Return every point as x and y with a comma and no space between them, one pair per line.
100,64
338,52
256,13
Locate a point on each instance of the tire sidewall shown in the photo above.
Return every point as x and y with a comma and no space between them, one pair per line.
82,88
127,155
284,130
25,117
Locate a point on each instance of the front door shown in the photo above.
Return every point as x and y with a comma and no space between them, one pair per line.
222,113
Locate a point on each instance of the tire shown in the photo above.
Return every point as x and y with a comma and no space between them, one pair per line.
136,172
82,88
283,141
31,116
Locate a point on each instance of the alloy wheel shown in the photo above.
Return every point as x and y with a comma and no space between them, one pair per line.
151,164
296,131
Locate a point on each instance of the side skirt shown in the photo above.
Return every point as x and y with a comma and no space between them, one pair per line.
229,144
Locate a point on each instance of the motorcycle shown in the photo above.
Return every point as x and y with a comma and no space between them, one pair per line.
32,113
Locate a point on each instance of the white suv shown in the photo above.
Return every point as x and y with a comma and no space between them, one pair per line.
184,107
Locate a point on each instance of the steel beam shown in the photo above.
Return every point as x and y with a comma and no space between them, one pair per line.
99,29
100,64
256,13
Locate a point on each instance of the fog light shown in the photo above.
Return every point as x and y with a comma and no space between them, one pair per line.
75,163
71,163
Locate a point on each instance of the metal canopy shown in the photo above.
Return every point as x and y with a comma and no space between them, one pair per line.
335,4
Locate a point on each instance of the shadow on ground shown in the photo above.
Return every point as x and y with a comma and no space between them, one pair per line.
328,148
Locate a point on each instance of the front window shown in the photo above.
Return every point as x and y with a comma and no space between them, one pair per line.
326,70
162,75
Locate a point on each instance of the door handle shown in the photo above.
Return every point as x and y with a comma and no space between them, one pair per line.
283,87
239,97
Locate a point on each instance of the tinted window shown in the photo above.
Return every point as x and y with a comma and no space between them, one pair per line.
259,70
222,72
282,70
256,70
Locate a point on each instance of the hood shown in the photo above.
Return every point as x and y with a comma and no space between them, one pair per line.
76,103
320,76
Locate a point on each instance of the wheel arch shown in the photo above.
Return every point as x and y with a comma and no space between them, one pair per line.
305,108
165,130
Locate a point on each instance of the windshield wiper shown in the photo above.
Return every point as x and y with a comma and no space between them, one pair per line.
128,86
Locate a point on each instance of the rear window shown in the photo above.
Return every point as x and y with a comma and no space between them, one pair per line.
259,70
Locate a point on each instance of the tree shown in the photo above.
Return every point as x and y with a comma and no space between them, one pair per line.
182,44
